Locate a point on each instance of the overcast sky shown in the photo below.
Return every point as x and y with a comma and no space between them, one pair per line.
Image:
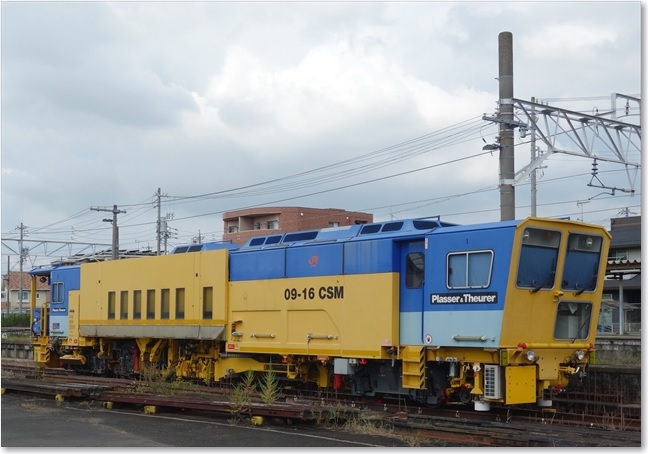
364,106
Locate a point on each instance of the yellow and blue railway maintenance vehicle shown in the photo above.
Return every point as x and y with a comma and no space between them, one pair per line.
503,312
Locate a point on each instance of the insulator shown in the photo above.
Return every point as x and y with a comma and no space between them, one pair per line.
594,167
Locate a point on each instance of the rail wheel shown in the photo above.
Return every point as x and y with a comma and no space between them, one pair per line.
464,396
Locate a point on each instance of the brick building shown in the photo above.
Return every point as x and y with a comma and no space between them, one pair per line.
241,225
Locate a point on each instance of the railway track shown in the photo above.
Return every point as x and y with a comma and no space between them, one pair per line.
458,426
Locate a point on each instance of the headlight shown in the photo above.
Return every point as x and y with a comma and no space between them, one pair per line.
579,355
530,356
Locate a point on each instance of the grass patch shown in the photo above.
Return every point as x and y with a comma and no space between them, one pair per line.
618,358
163,382
381,428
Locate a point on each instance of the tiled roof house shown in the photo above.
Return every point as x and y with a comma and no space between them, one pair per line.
11,289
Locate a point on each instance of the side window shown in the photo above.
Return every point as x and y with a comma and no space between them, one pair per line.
165,301
469,269
180,304
150,304
123,305
414,269
137,304
57,292
208,303
618,255
111,305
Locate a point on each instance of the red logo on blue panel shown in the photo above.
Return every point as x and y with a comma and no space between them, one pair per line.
313,261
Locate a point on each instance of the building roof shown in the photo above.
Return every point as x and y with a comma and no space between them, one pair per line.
625,239
14,281
626,223
626,234
632,283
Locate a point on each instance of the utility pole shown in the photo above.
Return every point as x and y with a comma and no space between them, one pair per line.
115,229
507,161
165,229
159,221
23,253
6,283
161,225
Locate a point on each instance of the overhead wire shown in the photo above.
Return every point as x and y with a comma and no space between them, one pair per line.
380,158
386,157
368,162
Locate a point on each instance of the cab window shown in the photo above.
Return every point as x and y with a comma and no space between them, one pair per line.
538,259
582,263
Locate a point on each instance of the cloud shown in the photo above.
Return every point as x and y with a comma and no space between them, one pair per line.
85,70
574,41
104,102
337,86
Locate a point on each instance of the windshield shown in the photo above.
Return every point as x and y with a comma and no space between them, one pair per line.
582,263
538,258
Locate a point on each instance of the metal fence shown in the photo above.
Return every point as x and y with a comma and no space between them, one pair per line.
629,329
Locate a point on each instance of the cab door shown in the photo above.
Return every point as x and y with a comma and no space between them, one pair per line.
412,266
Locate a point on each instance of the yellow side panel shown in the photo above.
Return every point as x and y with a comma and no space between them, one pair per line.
191,272
520,384
351,316
326,326
73,318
